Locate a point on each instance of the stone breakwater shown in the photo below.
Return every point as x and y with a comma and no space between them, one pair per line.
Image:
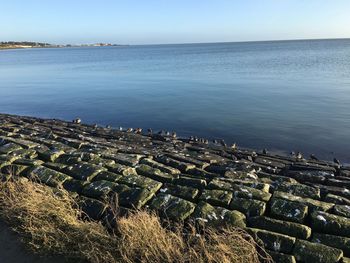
299,209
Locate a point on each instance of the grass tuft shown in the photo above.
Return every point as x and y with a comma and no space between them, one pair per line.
50,223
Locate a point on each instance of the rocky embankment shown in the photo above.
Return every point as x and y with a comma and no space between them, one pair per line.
299,209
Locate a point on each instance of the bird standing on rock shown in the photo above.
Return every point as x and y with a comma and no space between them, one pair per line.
335,160
313,157
234,146
299,155
129,130
77,121
108,126
150,132
264,151
223,143
120,128
173,134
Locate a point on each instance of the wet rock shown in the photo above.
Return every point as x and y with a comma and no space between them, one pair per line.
287,210
273,241
279,226
310,252
217,216
323,222
172,207
249,207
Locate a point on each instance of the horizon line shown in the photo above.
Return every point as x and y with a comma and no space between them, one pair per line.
188,43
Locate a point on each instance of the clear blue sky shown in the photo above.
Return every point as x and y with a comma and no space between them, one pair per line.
172,21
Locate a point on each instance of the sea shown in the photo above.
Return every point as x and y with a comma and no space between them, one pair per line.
280,95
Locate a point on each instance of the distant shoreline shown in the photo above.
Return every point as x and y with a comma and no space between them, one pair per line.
30,45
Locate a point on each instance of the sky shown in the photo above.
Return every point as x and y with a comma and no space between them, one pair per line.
172,21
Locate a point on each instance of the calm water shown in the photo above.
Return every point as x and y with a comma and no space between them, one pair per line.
291,95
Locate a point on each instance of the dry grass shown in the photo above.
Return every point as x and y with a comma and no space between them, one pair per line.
50,224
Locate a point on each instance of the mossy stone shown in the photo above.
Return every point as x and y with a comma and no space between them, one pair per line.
216,197
281,258
287,210
279,226
273,241
312,252
249,207
155,173
83,171
140,181
330,224
217,216
47,176
314,205
107,176
172,207
342,243
185,192
98,189
299,190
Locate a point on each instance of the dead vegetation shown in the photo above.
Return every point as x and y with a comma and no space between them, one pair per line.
50,223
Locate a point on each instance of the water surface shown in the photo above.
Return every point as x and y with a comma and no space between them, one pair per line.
283,95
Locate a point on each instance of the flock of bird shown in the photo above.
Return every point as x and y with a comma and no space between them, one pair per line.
297,155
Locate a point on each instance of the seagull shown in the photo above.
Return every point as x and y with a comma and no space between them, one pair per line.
335,160
222,142
313,157
138,130
150,131
108,126
215,141
77,121
120,128
264,151
173,134
129,130
95,126
167,133
299,155
234,146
